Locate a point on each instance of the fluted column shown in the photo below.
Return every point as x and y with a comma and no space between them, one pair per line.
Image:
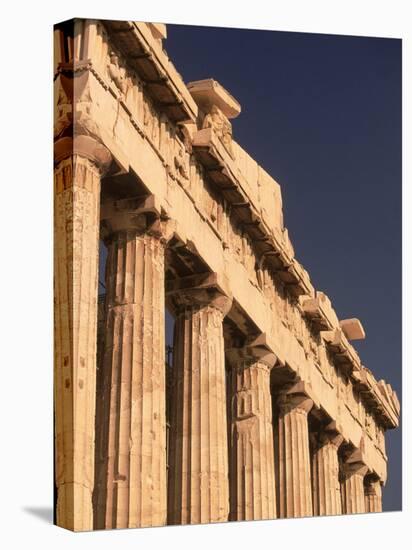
80,163
131,482
251,452
198,472
373,495
352,487
325,472
295,490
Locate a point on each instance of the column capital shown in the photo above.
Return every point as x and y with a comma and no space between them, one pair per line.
198,291
354,468
353,463
373,487
84,146
255,351
294,398
135,215
328,435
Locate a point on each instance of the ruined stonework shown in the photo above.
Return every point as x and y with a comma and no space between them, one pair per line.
266,410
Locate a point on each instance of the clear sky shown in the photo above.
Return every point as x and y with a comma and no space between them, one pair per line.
322,114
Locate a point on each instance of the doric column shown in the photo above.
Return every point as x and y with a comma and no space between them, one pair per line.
373,495
251,452
79,165
325,472
294,485
198,472
353,471
131,459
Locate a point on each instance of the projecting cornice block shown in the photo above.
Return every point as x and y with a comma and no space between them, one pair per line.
352,329
209,92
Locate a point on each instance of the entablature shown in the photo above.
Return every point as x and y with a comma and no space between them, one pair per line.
145,54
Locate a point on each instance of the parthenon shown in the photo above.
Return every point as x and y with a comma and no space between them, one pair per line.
266,410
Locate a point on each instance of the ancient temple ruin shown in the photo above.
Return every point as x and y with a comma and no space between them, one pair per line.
267,410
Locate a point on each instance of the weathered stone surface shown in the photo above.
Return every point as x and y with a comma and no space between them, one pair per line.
76,233
182,199
138,145
198,475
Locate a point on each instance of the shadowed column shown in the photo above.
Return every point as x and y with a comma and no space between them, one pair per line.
80,164
325,472
295,490
251,468
353,471
131,459
373,495
198,473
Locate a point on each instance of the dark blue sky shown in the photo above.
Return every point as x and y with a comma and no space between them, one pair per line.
322,114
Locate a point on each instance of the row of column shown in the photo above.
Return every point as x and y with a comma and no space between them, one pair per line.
126,485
